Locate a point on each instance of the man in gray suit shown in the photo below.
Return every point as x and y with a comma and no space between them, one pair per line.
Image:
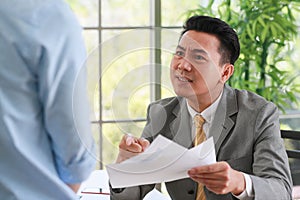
251,158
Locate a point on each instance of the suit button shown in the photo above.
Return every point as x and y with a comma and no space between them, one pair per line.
191,192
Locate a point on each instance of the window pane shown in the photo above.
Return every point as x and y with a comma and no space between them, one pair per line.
292,65
87,11
92,64
95,131
91,38
172,11
125,13
125,74
169,42
112,134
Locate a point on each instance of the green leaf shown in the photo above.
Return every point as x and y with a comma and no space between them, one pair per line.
250,33
264,33
261,21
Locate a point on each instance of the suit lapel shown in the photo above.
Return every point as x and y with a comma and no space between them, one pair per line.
223,122
181,126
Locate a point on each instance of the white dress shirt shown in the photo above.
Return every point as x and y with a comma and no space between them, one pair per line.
208,114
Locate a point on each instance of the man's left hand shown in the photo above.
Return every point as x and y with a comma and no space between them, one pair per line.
219,178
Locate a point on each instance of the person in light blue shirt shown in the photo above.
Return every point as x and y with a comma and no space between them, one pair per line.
46,145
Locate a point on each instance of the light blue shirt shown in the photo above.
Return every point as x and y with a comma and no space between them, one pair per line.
45,136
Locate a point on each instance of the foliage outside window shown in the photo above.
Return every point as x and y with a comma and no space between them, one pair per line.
266,30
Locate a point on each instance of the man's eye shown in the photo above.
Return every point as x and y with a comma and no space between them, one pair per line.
179,53
198,57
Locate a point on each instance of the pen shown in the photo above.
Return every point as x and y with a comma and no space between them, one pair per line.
94,190
103,193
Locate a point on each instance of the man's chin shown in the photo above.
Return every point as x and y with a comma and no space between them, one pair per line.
185,94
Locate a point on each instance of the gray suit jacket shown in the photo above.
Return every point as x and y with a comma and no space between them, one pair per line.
246,133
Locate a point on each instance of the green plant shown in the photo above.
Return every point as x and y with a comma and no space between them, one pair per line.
266,29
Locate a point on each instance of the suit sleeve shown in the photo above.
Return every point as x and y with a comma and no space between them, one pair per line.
270,167
137,192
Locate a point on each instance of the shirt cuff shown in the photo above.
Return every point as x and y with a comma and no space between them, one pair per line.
77,172
248,192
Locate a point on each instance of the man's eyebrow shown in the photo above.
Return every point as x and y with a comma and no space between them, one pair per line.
199,51
193,50
180,47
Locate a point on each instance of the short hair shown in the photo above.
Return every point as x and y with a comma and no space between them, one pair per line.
229,43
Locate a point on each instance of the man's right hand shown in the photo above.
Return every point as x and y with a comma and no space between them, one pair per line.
131,146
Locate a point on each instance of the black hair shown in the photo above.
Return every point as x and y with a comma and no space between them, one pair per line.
229,47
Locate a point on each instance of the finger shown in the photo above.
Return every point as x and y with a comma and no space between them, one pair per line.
140,144
213,168
210,182
124,155
135,147
129,143
123,140
129,139
217,190
144,143
127,154
129,147
133,144
216,186
213,176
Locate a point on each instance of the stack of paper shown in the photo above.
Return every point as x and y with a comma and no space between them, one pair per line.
163,161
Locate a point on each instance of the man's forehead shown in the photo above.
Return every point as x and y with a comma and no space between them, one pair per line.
187,41
199,40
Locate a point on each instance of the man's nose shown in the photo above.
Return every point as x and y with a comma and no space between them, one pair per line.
184,64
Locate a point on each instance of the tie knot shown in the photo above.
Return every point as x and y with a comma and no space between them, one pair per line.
199,121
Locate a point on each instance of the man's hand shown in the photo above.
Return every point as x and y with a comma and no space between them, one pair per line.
219,178
131,146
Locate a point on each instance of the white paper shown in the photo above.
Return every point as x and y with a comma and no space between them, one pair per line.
99,179
155,194
163,161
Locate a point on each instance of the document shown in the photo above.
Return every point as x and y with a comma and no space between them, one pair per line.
96,188
163,161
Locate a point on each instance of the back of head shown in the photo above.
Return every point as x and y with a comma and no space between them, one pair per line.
229,48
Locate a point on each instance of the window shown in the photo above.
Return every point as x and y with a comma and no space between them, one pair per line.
130,44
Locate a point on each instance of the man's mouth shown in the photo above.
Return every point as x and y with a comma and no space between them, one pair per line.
183,79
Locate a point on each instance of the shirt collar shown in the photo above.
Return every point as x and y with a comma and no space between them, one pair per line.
208,113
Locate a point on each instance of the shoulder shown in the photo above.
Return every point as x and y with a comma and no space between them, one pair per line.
167,104
164,107
55,15
159,115
36,12
167,101
249,100
36,23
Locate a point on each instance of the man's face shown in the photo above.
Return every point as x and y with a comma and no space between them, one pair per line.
195,67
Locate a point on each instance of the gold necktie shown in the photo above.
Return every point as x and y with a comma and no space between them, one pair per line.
199,138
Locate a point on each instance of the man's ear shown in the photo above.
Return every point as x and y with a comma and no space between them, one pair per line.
227,71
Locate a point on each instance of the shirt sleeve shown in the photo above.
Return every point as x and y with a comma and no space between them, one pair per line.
63,93
247,194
